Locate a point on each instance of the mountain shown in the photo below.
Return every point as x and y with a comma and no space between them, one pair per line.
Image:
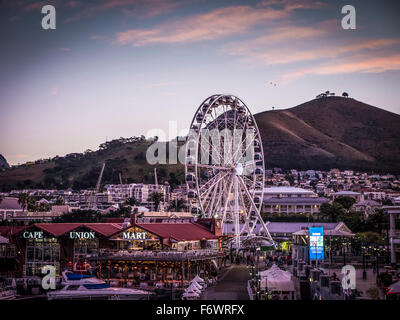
125,161
324,133
331,132
3,163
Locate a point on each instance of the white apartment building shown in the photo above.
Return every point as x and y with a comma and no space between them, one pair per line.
355,195
120,192
291,200
394,232
141,192
375,195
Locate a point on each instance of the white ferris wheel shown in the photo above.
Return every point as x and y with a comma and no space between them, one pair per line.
224,167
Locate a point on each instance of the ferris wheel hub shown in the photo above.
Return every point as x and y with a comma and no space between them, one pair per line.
239,169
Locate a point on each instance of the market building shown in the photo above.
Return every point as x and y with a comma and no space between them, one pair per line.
140,254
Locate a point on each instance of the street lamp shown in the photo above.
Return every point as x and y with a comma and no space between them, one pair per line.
364,271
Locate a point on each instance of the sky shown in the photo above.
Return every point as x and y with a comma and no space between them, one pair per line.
121,68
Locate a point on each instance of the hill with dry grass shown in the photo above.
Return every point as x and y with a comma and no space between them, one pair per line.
331,132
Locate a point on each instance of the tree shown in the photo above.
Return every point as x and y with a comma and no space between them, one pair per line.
23,200
346,202
354,220
122,211
80,216
59,202
156,197
290,179
378,221
132,202
387,202
177,205
331,211
369,238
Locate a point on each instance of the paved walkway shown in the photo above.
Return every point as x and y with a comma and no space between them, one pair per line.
231,286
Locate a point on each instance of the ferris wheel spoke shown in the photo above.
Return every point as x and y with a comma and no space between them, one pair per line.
209,182
247,146
208,190
227,198
204,197
250,183
214,195
209,166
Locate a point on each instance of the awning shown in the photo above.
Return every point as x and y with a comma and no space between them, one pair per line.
394,288
276,279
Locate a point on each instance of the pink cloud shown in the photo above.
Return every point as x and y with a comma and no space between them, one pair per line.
73,4
21,156
278,34
279,56
215,24
360,65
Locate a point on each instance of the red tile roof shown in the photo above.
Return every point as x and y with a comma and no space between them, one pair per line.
57,229
7,231
105,229
175,231
178,231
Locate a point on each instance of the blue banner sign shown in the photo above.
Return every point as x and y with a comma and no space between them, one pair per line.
316,243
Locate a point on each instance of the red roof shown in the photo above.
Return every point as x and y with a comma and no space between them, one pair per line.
7,231
59,229
105,229
178,231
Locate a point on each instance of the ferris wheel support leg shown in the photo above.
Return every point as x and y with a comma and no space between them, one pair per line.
259,218
236,213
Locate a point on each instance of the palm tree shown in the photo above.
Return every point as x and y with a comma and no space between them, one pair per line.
132,202
177,205
156,197
23,199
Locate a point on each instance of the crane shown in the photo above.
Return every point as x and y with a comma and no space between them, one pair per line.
155,177
92,200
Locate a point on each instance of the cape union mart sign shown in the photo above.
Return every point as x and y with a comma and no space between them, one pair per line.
72,235
134,235
33,235
82,235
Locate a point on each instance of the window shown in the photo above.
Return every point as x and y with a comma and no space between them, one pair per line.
41,252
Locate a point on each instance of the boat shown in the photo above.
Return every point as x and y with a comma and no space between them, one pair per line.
87,287
7,293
